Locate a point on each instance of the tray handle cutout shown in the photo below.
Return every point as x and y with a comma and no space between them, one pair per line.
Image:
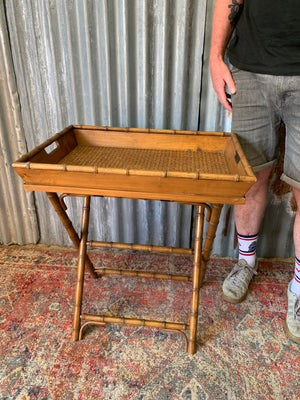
237,157
51,147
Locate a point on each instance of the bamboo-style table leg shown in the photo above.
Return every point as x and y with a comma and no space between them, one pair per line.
81,265
199,264
195,282
69,228
210,236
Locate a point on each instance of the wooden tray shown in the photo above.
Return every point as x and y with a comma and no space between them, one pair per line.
184,166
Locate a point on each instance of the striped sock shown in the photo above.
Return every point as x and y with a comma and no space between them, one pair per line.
295,285
247,248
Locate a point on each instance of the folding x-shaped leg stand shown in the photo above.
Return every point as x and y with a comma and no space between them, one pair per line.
200,253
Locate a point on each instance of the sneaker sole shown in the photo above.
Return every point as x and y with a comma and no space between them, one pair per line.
290,335
234,301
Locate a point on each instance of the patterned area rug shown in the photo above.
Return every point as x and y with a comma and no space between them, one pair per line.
243,352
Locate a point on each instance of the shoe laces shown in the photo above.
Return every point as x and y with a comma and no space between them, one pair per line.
240,271
296,309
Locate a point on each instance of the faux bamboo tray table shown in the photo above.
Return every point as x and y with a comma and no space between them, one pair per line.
183,166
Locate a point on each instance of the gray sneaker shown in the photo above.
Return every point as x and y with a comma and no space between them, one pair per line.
235,286
292,322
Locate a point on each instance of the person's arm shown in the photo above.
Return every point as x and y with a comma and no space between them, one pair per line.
226,13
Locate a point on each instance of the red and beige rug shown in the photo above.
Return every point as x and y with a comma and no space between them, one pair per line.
243,352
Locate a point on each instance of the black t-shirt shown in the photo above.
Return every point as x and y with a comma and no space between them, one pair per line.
267,37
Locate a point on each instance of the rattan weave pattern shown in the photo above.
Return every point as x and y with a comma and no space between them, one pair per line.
148,159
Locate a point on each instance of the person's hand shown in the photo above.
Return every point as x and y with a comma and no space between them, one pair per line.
221,76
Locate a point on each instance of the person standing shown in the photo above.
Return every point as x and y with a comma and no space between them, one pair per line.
262,38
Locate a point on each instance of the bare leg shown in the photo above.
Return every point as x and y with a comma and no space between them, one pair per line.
297,224
292,322
247,219
249,215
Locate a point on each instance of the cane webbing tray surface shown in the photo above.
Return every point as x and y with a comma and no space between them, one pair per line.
183,166
148,159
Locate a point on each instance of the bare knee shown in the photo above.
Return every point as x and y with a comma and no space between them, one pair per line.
260,186
297,196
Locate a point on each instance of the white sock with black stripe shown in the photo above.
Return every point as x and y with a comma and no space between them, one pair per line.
295,285
247,248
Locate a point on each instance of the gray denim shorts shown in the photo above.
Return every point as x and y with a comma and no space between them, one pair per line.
260,104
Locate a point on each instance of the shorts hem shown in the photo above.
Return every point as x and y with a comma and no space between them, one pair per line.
261,167
290,181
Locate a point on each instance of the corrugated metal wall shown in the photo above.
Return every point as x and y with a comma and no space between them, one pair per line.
136,63
18,221
109,62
